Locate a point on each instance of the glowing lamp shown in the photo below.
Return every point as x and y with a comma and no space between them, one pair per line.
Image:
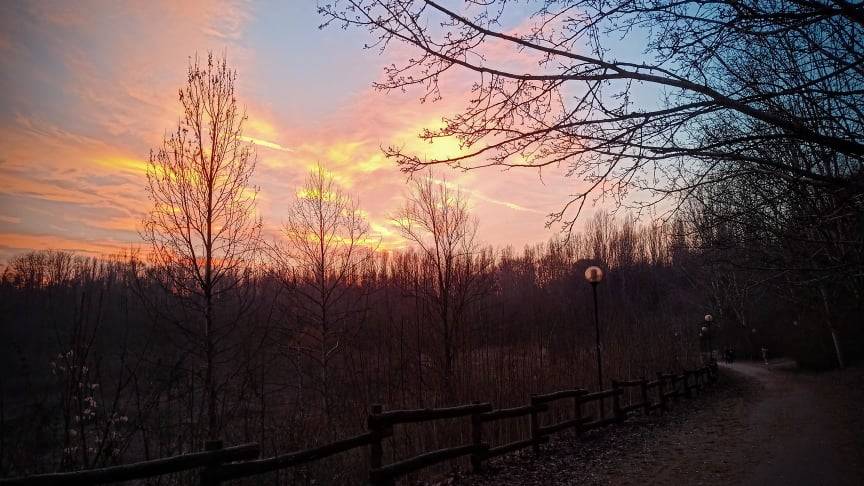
593,274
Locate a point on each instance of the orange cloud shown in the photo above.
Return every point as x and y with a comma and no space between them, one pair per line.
84,146
9,219
11,243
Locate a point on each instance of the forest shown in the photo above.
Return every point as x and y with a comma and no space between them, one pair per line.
108,360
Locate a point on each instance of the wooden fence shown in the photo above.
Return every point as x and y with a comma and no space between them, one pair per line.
218,464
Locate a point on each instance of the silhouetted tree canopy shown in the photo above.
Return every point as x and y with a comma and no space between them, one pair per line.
716,84
202,229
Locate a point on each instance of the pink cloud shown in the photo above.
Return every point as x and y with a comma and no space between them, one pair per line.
118,97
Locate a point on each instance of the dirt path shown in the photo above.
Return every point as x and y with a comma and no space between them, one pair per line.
813,433
762,426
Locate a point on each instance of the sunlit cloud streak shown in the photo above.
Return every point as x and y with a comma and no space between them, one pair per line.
265,143
89,100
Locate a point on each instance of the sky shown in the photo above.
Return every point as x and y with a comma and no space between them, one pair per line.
89,88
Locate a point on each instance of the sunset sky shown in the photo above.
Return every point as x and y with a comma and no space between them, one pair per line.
88,89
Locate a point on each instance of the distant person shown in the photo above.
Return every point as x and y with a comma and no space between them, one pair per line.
765,355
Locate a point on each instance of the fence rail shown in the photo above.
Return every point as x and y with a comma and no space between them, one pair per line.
223,464
261,466
141,470
394,417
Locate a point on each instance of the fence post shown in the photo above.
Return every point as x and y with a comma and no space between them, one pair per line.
577,411
208,474
616,402
688,392
376,448
643,389
535,425
477,439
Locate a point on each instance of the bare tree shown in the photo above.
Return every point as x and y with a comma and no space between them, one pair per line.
752,111
203,227
437,220
328,241
718,81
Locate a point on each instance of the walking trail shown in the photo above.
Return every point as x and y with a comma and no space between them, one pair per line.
763,425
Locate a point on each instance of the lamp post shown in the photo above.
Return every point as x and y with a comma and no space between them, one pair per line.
707,331
594,275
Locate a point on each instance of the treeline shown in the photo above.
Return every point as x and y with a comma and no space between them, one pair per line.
103,362
784,259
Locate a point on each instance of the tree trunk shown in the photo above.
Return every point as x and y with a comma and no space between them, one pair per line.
209,378
828,321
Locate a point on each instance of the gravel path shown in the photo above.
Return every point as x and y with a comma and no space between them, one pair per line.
761,426
813,425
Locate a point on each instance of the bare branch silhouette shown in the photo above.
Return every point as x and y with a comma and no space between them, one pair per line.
203,228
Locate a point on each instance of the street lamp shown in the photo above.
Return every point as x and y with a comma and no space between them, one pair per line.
707,331
594,275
